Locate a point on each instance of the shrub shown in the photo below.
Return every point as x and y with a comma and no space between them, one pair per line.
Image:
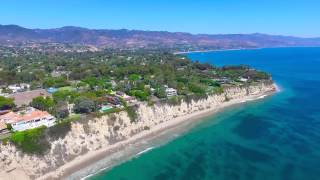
116,128
160,92
84,105
62,113
196,88
60,129
226,98
5,141
141,95
174,101
31,141
132,113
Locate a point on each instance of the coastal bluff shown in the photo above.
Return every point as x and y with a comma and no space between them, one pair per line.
92,135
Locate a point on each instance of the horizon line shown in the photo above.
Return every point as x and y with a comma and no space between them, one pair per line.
147,30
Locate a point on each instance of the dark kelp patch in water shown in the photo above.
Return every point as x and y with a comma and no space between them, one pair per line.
252,127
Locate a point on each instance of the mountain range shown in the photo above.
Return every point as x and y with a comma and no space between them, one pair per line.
123,38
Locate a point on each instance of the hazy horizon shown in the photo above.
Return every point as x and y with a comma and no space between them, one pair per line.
154,31
289,18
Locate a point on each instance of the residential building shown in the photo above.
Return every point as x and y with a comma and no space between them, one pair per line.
28,119
19,87
24,98
125,97
113,100
170,91
223,80
243,79
57,73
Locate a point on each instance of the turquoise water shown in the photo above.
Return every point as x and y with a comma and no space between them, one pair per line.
274,138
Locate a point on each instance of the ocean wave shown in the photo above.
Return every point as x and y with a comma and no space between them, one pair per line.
144,151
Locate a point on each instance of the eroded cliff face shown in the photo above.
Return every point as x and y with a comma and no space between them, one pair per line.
101,132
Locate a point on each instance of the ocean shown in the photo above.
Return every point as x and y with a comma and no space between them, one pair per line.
277,137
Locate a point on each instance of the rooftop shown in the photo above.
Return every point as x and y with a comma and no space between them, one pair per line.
24,98
27,115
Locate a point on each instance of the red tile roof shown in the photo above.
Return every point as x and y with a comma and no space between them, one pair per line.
32,114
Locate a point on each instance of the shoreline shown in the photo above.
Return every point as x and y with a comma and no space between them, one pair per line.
113,154
239,49
214,50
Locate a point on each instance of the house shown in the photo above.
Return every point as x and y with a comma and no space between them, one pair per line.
113,100
125,97
28,119
109,100
19,87
24,98
223,80
57,73
242,79
170,91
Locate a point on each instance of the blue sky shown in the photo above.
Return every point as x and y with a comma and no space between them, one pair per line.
285,17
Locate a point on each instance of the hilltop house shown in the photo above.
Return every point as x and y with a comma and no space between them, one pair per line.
170,91
28,119
113,100
125,97
24,98
242,79
19,87
223,80
57,73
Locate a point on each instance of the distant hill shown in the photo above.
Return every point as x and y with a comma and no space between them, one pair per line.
123,38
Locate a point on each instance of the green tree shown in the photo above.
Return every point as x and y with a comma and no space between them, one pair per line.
142,95
6,103
160,92
196,88
61,110
64,95
42,103
31,141
134,77
84,105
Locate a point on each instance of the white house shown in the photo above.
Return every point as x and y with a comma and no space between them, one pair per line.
243,79
170,91
28,119
19,87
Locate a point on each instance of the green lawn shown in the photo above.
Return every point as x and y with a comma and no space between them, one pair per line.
66,88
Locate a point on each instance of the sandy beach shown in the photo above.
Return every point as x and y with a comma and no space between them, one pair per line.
113,153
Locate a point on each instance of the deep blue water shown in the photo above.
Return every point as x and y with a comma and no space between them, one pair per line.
274,138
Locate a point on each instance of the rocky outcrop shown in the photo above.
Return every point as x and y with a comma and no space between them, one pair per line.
98,133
